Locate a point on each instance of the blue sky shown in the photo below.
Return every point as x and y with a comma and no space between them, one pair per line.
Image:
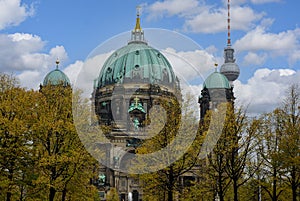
265,35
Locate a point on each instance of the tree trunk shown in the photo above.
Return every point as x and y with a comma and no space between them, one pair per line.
64,194
21,193
170,188
52,190
294,184
52,193
220,190
171,184
235,189
274,190
8,196
170,195
294,191
10,177
221,196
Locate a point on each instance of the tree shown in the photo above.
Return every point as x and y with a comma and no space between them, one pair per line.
280,147
17,114
290,143
269,153
63,164
214,174
40,152
112,195
239,135
8,82
179,126
232,136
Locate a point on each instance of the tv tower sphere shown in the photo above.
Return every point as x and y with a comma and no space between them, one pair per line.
230,69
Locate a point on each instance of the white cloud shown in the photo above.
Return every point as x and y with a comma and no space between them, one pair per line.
12,12
294,56
191,65
85,73
285,43
202,18
17,37
265,90
24,51
73,70
214,20
23,54
172,7
259,39
255,59
30,79
239,2
59,52
265,1
235,2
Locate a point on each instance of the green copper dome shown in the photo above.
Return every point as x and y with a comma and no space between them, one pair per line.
56,77
216,80
134,61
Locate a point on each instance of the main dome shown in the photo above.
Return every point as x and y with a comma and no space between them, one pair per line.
136,61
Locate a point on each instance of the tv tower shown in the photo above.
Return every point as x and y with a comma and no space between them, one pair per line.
230,69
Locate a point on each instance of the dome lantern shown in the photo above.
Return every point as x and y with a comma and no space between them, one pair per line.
137,34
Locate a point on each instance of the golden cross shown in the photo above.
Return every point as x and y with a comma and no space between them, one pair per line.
136,100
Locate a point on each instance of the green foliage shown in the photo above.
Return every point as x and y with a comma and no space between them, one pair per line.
63,162
8,82
279,149
17,113
41,156
171,130
112,195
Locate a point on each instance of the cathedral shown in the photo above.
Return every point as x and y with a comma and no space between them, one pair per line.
132,81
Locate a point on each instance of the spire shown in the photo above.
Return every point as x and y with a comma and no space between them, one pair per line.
57,62
137,34
216,67
138,23
229,57
228,25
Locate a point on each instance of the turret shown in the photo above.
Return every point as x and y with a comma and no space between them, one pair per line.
216,90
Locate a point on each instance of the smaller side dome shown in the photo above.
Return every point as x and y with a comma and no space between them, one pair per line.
216,80
56,77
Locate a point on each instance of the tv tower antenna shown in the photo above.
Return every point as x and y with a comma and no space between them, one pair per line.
228,25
